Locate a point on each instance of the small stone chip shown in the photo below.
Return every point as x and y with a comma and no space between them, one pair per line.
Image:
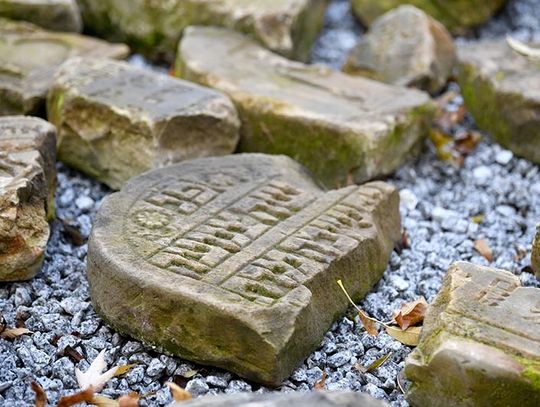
480,345
233,261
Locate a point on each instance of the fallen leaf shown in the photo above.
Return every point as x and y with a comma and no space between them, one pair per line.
465,143
86,395
120,370
521,252
378,363
41,397
20,319
94,377
410,336
411,313
360,368
478,219
321,384
370,324
190,373
71,353
527,269
129,400
104,401
482,247
178,393
72,233
400,379
405,241
522,48
12,333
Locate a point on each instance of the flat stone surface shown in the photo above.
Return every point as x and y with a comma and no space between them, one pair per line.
233,261
154,28
55,15
456,15
115,121
341,127
405,47
501,89
29,57
313,399
480,345
27,183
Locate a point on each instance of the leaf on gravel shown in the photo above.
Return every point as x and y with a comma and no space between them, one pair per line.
400,379
94,377
104,401
86,395
370,324
12,333
120,370
522,48
178,393
378,363
190,373
411,313
74,355
129,400
321,384
41,397
410,336
478,219
482,247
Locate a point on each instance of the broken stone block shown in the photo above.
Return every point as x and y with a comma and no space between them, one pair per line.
29,57
535,255
55,15
233,261
456,15
27,184
288,27
343,128
115,121
501,89
296,399
405,47
480,345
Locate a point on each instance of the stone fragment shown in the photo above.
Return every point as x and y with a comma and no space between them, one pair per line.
480,345
55,15
342,128
29,57
296,399
115,121
233,261
456,15
27,184
535,255
405,47
288,27
501,89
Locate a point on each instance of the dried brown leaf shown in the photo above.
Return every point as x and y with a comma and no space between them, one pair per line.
178,393
190,373
41,397
104,401
370,324
411,313
321,384
12,333
378,363
79,397
410,336
482,247
360,368
71,353
400,380
129,400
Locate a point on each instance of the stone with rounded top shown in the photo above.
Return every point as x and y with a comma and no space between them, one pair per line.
233,261
480,344
27,184
28,58
55,15
115,120
343,128
501,89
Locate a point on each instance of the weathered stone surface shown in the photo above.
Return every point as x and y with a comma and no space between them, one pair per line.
27,184
29,57
454,14
288,27
341,127
56,15
535,255
314,399
405,47
480,345
233,261
501,89
115,121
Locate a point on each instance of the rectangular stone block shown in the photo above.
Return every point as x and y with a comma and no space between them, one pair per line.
55,15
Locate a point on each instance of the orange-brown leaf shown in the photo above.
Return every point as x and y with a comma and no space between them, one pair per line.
321,384
41,397
178,393
12,333
411,313
482,247
79,397
369,323
129,400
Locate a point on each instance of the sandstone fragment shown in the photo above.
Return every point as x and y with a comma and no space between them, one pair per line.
288,27
29,57
456,15
342,128
55,15
480,345
405,47
501,89
233,261
115,121
27,184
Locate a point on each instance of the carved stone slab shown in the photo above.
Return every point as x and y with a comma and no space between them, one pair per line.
154,27
27,184
501,88
341,127
233,261
293,399
115,121
55,15
29,57
480,345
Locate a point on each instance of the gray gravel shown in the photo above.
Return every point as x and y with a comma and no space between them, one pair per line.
438,204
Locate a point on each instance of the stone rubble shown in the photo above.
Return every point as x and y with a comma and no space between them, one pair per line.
55,15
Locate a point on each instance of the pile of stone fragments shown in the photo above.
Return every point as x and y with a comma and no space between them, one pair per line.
247,180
